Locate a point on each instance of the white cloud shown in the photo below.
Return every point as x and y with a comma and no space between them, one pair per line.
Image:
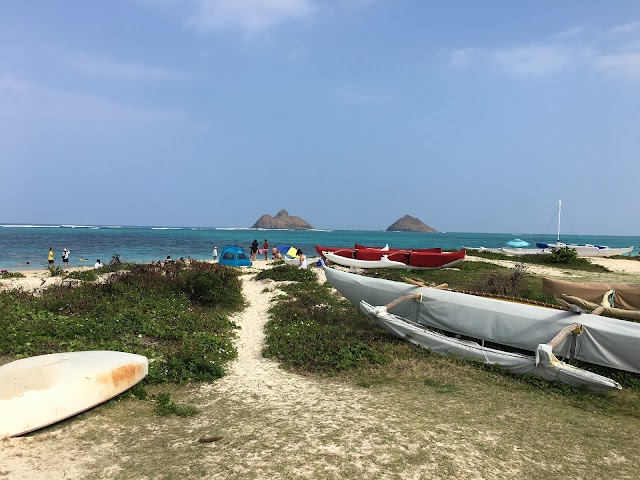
571,32
626,64
571,49
528,60
247,15
108,69
626,28
463,56
536,60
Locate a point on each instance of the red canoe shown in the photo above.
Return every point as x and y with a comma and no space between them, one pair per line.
416,258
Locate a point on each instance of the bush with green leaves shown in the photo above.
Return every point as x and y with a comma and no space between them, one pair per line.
85,275
211,285
314,330
147,310
11,275
55,271
564,255
288,273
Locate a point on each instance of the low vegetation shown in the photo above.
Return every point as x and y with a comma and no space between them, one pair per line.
11,275
564,257
176,315
314,330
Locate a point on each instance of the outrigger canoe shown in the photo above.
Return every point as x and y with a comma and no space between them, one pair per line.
543,364
608,342
424,259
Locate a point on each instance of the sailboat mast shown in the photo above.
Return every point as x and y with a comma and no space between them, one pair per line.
559,214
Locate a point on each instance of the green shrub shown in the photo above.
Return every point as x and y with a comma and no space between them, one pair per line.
314,330
214,286
55,271
143,310
86,275
11,275
565,255
288,273
165,407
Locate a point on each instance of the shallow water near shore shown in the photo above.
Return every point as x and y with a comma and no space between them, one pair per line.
30,243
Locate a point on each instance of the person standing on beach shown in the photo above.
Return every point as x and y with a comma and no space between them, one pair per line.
215,253
65,258
51,256
265,247
254,249
303,259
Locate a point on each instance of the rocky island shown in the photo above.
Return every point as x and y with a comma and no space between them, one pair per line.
409,224
282,221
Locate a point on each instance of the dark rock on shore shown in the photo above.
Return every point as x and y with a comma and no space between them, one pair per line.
282,221
410,224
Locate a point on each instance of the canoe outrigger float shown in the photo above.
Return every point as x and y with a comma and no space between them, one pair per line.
546,332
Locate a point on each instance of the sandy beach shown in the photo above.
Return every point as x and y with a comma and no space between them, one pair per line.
313,424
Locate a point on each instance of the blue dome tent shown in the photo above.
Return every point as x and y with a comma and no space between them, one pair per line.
234,256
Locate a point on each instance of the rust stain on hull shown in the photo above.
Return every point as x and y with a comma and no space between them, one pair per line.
126,375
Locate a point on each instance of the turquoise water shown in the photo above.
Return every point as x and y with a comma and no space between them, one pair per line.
20,244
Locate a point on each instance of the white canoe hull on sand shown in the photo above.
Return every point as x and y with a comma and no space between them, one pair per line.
543,364
384,262
42,390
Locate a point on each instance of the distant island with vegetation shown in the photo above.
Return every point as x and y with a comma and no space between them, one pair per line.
282,221
410,224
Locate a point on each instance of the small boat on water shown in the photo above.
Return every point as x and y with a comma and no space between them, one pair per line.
410,259
604,341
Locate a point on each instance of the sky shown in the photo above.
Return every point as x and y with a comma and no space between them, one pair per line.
471,116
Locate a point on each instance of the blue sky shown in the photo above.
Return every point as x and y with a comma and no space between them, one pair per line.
472,116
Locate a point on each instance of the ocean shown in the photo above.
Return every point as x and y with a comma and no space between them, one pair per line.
20,244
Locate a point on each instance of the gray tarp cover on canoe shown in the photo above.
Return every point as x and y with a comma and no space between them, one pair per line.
604,341
543,364
627,295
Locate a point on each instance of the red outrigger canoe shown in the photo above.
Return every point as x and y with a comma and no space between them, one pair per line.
427,258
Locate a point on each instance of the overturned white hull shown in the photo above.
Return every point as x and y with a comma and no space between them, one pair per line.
42,390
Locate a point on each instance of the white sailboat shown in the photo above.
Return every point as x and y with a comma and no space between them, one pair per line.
586,250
